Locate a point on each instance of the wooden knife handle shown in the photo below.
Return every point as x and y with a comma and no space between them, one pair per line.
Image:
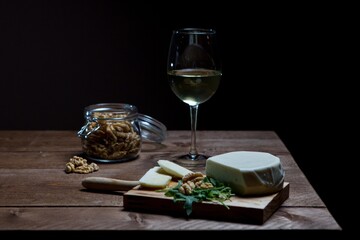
108,184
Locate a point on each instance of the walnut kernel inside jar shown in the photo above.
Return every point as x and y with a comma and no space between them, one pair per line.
111,133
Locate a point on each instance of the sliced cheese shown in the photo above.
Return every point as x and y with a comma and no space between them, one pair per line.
173,169
153,179
247,173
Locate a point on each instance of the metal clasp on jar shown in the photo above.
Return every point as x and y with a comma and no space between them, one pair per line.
84,132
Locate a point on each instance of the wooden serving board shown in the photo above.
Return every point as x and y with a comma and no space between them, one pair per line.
242,209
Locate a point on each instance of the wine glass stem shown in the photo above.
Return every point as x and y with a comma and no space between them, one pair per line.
193,116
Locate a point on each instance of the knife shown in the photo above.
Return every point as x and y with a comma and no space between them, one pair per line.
108,184
156,177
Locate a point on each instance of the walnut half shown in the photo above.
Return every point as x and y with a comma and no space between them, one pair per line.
80,165
193,180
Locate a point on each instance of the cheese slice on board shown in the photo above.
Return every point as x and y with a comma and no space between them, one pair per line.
154,179
173,169
247,173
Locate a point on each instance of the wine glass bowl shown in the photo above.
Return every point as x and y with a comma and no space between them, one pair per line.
194,72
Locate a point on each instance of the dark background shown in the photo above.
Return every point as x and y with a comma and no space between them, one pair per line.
56,57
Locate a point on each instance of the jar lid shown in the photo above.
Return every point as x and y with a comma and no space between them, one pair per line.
150,128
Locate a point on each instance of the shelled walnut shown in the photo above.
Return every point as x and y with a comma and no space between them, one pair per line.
80,165
193,180
111,138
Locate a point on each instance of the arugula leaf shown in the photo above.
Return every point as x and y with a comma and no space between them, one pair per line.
188,203
218,193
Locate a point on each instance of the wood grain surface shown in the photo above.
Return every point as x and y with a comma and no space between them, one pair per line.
37,194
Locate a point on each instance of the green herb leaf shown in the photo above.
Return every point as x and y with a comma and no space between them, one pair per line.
218,193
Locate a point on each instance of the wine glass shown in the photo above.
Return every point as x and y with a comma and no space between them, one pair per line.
194,73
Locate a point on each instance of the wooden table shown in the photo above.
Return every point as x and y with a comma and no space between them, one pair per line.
36,193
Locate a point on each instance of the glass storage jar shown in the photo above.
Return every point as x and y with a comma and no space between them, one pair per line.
113,132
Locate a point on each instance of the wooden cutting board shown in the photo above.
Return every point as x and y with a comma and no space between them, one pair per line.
242,209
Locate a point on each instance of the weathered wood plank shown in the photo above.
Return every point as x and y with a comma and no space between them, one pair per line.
177,141
57,160
32,171
115,218
39,141
53,187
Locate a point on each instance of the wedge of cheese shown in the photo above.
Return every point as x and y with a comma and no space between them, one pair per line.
247,173
153,179
173,169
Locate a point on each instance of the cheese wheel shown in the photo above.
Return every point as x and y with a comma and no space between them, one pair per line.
247,173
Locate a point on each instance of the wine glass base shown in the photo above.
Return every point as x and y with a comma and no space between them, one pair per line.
192,157
189,160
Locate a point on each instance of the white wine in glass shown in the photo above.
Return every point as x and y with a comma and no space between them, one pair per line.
194,72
